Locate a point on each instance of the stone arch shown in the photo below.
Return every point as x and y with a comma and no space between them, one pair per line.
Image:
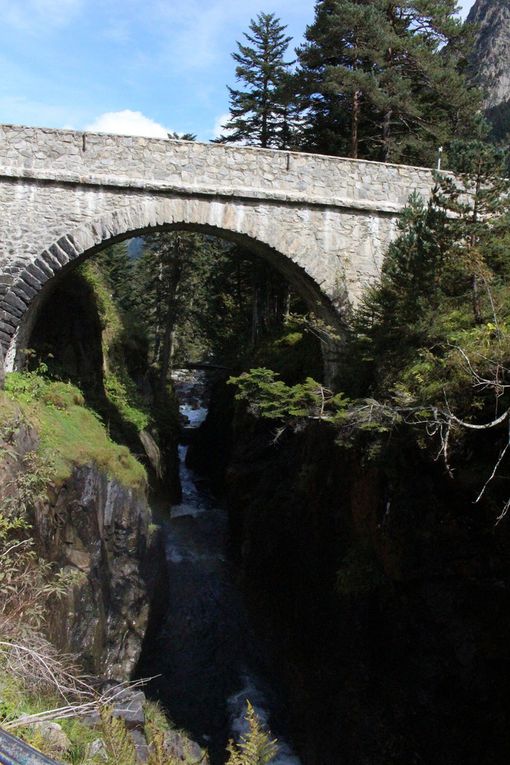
235,221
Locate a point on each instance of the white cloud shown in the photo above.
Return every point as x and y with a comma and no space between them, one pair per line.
127,122
218,125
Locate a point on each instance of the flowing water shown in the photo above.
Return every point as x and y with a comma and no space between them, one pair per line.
208,656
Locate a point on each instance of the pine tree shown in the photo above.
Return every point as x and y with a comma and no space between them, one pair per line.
119,268
383,80
476,204
337,75
443,284
261,114
168,264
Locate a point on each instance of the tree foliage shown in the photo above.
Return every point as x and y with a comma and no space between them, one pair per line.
200,298
271,398
262,113
428,351
384,79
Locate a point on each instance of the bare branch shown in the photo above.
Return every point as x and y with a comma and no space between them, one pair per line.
495,468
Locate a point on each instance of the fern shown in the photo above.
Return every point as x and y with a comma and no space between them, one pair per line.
156,733
254,748
157,749
118,743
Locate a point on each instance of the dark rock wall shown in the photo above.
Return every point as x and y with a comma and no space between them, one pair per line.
99,530
67,333
490,62
383,594
76,344
90,524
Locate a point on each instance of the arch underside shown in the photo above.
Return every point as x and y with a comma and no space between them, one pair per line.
234,222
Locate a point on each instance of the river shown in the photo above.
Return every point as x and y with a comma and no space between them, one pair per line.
207,653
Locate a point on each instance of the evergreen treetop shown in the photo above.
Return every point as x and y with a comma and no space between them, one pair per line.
383,79
260,113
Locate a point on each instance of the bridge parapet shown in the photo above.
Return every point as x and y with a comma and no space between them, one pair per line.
324,222
152,164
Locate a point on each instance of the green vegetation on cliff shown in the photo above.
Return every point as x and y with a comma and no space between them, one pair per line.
426,358
104,353
119,336
69,432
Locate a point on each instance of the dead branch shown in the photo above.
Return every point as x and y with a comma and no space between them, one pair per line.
95,704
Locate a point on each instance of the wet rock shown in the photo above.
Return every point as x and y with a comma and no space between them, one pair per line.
153,453
98,528
96,525
129,706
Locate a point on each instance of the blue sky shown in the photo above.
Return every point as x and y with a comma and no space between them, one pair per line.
142,67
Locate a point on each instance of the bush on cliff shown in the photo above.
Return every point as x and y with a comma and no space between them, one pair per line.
427,354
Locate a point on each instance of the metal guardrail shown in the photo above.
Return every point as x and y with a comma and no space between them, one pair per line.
13,751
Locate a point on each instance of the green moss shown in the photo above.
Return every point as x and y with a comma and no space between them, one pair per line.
122,394
70,433
9,413
119,387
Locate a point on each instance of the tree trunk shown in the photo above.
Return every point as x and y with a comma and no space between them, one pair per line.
239,287
386,132
166,352
255,308
386,126
477,308
356,108
286,310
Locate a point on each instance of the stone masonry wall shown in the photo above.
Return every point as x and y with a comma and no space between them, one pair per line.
325,222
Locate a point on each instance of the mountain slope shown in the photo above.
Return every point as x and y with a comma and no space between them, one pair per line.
490,63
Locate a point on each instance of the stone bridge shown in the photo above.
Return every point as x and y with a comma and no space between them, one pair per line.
324,222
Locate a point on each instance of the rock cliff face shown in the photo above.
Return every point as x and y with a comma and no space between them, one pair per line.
383,592
99,527
490,63
92,513
94,526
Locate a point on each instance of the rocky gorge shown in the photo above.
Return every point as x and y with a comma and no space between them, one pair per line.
254,482
382,607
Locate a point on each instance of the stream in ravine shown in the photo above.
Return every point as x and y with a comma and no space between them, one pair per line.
207,654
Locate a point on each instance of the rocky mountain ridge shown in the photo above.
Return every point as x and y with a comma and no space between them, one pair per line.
490,62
